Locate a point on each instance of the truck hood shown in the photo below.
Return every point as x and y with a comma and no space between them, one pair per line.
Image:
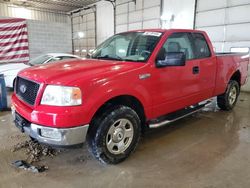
69,71
12,66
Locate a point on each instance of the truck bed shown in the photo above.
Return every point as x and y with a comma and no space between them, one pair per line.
227,63
229,53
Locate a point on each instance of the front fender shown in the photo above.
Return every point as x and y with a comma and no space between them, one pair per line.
107,92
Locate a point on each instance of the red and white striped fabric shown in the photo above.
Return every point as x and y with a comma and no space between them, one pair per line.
14,46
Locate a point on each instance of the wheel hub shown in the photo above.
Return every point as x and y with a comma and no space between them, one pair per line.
232,95
119,136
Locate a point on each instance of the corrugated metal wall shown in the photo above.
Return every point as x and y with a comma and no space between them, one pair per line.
18,12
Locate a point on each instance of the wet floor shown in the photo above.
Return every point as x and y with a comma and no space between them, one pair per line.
210,149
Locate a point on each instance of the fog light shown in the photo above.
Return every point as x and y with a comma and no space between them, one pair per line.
50,133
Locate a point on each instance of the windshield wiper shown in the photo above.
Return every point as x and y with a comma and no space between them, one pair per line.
108,57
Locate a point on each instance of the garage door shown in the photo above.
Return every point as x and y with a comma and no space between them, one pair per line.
84,32
226,21
143,14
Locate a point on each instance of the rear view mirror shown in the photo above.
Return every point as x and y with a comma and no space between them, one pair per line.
171,59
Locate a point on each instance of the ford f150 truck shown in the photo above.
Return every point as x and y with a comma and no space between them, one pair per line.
133,80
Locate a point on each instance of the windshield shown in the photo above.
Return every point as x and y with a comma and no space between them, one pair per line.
131,46
39,60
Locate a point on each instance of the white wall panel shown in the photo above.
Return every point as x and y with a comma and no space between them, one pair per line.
229,45
121,19
121,9
238,2
216,17
121,28
105,21
150,24
151,13
216,34
182,12
135,26
233,26
150,3
218,46
131,7
239,32
238,14
135,16
203,5
139,4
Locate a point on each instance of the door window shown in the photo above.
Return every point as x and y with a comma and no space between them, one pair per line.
179,42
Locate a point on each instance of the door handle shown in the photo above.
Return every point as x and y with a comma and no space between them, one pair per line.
196,70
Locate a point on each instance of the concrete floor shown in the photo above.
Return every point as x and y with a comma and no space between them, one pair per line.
210,149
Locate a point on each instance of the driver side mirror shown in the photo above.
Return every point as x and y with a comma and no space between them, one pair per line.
171,59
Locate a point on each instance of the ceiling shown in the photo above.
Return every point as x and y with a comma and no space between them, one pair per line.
52,5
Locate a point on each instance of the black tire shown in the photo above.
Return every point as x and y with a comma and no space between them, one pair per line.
224,101
99,136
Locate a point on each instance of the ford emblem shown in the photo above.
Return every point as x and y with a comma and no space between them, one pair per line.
23,88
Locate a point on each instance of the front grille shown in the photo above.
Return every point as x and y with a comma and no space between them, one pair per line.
26,90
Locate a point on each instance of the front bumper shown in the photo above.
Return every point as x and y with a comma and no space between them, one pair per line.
58,137
67,137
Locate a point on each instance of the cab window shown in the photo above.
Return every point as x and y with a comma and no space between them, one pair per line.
179,42
201,47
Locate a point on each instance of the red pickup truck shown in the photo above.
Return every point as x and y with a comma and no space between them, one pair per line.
133,80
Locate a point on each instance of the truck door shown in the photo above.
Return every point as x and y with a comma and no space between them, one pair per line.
175,87
207,65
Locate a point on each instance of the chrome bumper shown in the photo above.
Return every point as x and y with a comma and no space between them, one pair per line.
64,137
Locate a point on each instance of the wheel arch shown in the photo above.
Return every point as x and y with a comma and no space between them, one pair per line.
126,100
236,76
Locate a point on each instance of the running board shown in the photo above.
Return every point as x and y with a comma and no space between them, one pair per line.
172,117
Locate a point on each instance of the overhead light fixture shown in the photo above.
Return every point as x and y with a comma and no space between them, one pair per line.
80,34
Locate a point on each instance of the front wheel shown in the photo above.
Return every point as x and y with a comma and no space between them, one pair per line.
228,100
114,135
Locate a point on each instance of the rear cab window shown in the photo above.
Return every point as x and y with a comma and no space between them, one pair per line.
201,47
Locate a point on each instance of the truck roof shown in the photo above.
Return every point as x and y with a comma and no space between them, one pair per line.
165,30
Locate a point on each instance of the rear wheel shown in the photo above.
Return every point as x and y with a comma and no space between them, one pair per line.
228,100
114,135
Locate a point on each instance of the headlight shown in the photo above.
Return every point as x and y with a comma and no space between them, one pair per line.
62,96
